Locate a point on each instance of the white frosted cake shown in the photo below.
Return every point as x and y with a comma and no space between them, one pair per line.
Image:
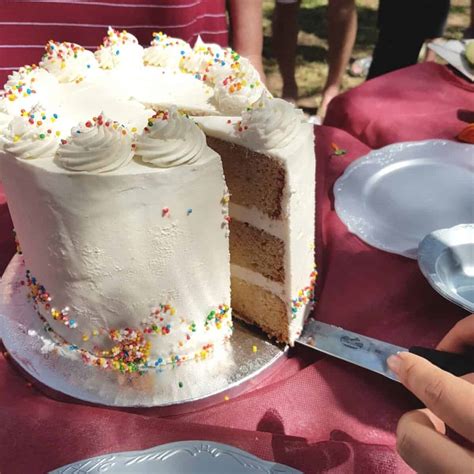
152,190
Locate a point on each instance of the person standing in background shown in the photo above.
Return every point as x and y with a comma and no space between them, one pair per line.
404,26
247,31
342,30
284,42
27,26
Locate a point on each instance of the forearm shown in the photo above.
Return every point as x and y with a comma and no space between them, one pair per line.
247,33
342,30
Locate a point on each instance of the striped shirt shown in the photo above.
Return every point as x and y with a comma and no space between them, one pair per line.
26,26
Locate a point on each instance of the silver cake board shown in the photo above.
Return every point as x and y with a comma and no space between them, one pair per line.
238,366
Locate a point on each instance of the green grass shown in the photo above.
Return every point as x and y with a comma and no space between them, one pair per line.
312,44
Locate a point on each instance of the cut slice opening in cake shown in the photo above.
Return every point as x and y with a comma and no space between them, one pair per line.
272,217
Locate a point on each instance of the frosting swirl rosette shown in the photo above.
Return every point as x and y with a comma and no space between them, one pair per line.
5,117
171,139
272,123
25,87
100,145
225,63
210,62
32,135
240,90
119,49
197,60
165,51
68,61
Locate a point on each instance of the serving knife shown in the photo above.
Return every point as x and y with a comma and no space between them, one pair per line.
371,353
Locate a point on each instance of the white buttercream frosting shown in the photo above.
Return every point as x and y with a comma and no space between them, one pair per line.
68,61
171,139
198,60
100,145
25,87
209,61
119,49
240,90
272,123
31,136
5,118
166,51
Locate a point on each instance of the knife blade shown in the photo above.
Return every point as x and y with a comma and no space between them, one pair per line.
371,353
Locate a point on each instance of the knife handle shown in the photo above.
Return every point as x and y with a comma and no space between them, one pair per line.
456,364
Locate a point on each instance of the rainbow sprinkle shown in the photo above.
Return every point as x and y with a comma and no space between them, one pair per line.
40,297
218,316
17,243
305,296
115,37
61,52
42,121
23,83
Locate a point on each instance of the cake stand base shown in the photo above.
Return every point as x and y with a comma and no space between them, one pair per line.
239,365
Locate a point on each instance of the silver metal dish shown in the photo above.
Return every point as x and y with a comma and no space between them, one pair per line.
395,196
180,457
446,259
243,362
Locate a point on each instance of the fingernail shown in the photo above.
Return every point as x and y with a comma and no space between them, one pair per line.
394,363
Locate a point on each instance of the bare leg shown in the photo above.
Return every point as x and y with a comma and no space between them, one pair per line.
284,38
342,30
246,19
469,32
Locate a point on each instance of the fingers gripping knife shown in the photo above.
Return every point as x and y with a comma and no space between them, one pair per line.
371,353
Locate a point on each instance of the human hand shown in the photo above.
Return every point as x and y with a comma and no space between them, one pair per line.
421,434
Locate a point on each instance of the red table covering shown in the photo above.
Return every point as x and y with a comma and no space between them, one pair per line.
424,101
316,414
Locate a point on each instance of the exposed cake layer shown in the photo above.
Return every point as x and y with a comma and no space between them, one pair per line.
258,279
256,250
254,304
272,248
254,179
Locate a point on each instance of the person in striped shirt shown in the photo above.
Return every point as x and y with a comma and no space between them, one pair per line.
25,27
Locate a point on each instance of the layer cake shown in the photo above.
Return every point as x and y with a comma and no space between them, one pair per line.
126,216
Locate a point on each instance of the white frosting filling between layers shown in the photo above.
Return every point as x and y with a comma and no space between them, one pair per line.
259,280
258,219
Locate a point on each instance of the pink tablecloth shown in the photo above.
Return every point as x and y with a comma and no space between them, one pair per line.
424,101
316,414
